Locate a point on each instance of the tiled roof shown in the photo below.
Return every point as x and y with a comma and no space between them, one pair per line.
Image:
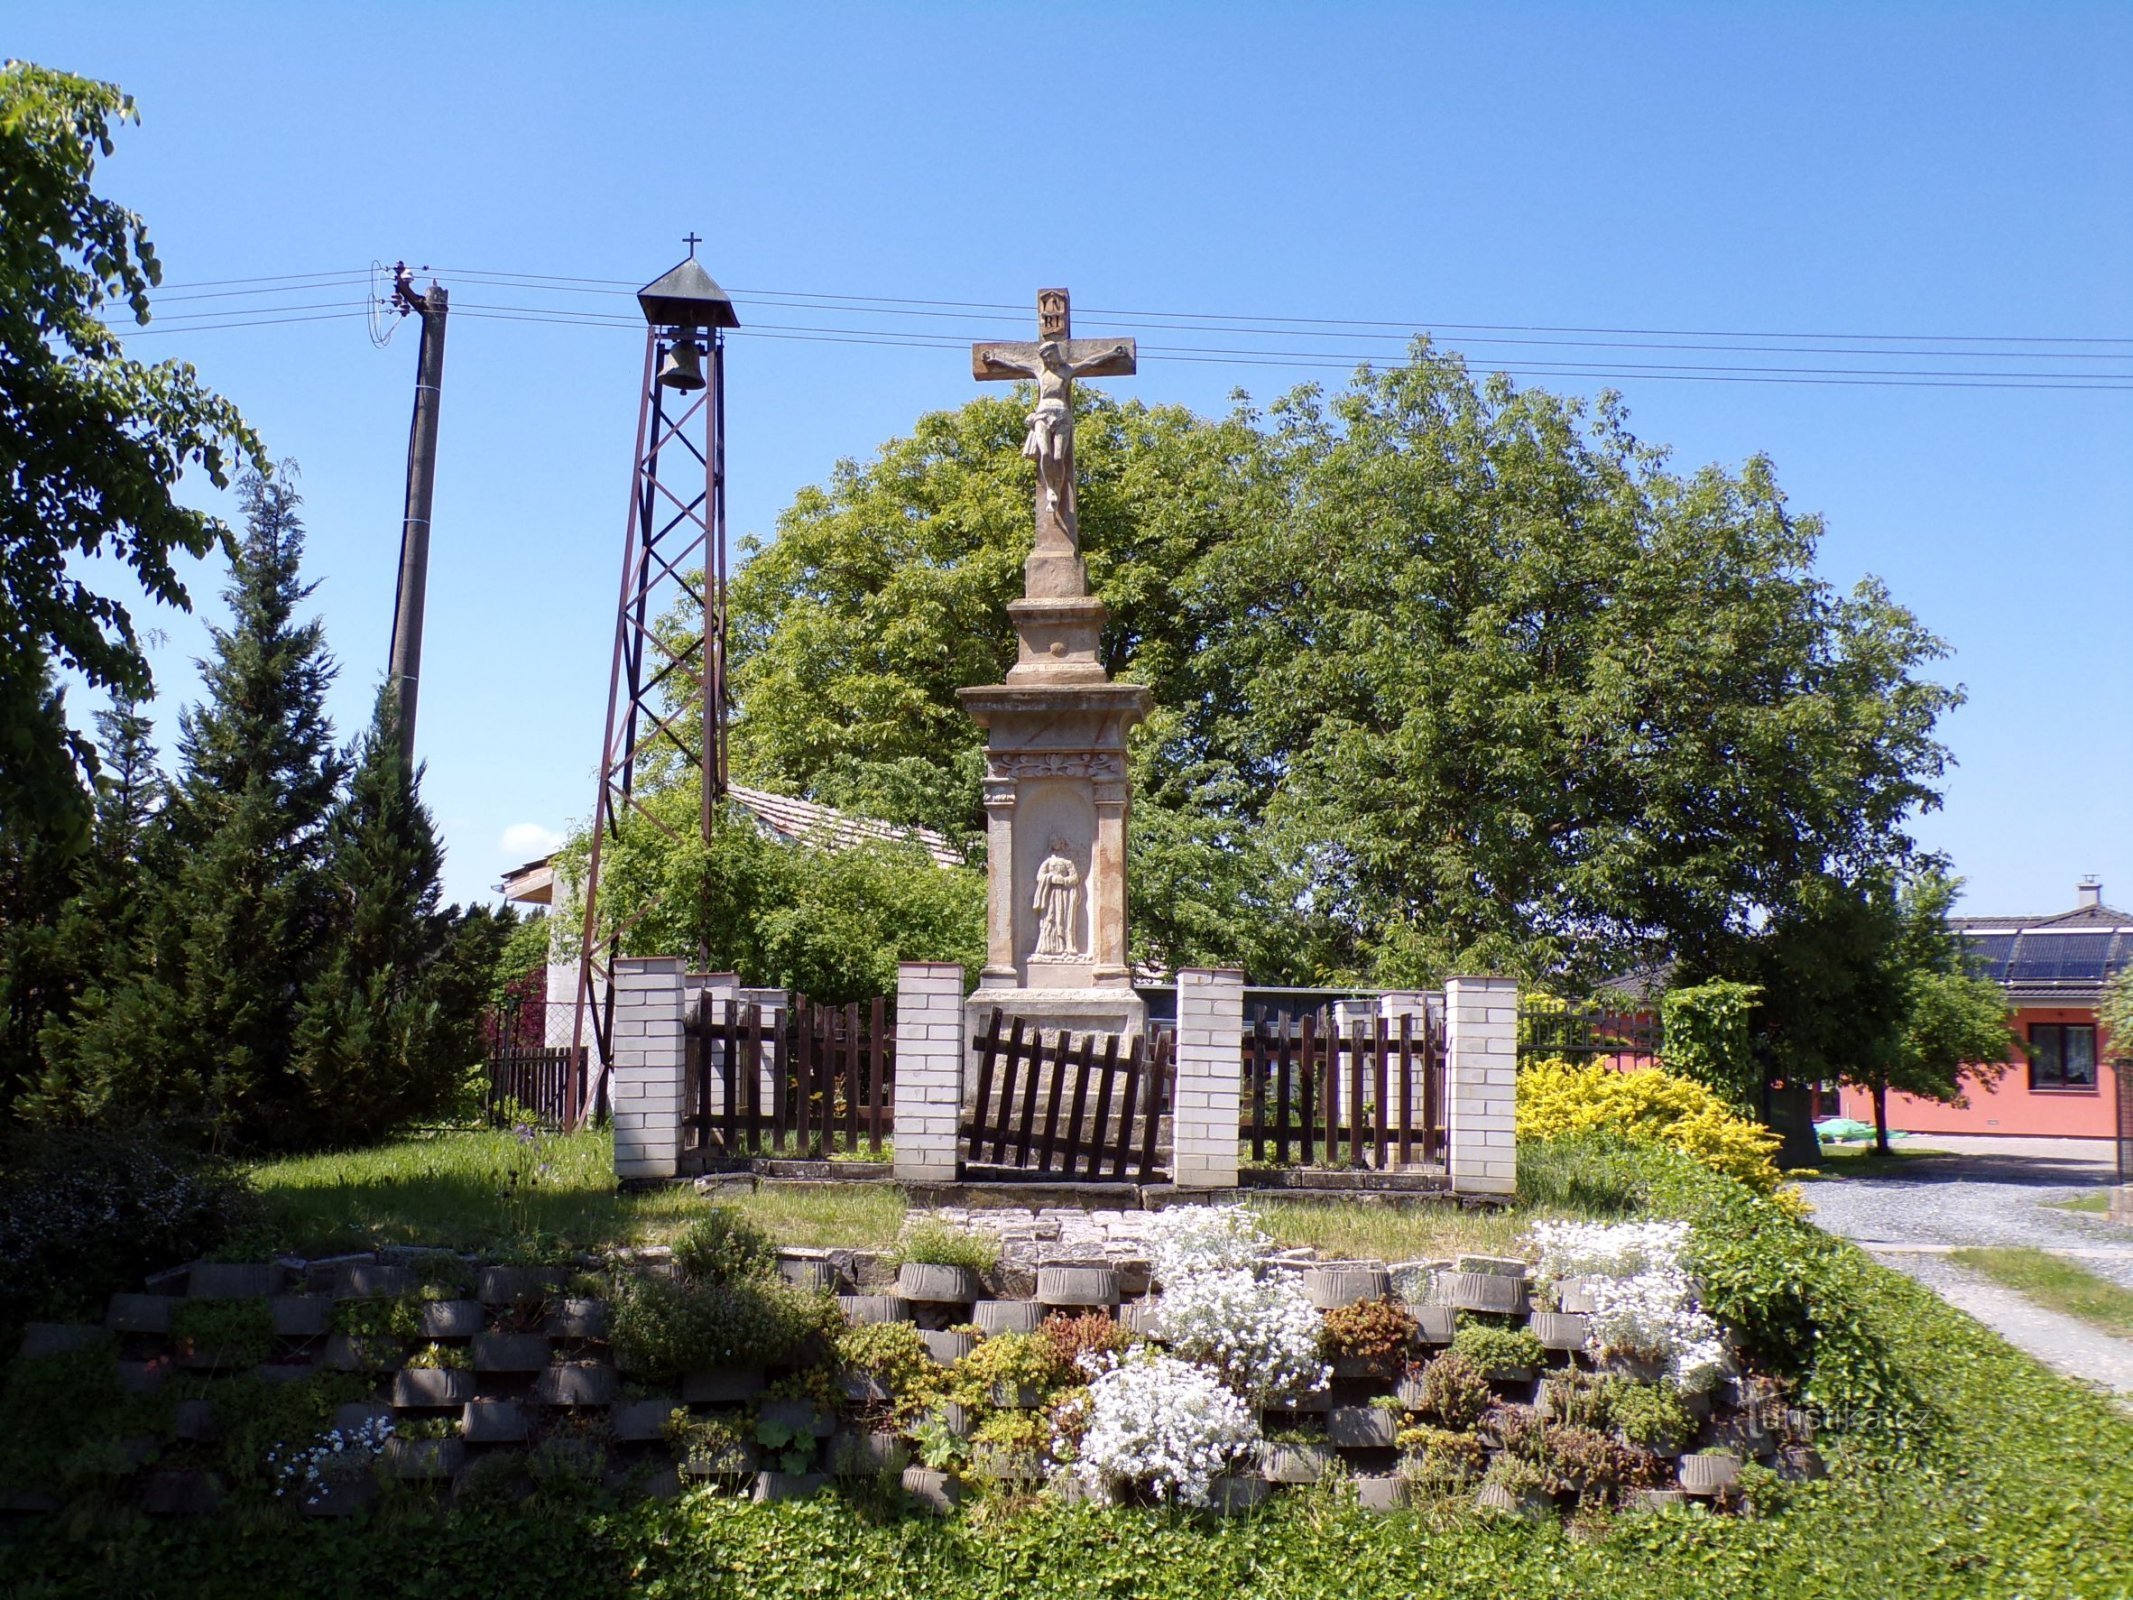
791,818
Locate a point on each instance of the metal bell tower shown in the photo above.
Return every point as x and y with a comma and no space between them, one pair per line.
677,522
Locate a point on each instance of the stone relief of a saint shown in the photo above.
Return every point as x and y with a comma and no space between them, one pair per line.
1057,902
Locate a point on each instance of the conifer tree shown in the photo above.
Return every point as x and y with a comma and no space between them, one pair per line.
96,937
233,939
387,1029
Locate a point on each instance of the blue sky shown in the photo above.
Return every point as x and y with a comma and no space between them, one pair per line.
1953,173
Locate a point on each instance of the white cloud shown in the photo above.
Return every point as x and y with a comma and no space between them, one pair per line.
524,841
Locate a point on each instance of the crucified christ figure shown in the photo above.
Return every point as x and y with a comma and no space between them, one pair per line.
1055,361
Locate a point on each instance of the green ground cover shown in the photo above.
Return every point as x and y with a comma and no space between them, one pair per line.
1959,1467
2056,1282
2096,1205
2021,1485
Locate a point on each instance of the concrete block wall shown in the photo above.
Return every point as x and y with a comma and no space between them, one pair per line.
930,1055
647,1089
1481,1083
1209,1071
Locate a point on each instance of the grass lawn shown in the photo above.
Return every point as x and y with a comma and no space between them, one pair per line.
492,1190
1858,1160
2095,1205
2056,1282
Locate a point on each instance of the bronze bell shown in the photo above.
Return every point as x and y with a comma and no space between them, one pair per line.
684,366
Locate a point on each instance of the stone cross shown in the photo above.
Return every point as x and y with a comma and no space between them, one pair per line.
1055,361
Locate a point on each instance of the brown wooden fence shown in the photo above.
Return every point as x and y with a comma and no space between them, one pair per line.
1370,1095
806,1081
1078,1076
529,1080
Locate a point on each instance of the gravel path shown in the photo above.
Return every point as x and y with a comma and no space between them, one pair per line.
1994,1193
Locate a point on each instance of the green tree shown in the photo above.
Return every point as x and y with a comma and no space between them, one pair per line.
1927,1025
92,444
831,922
2116,1016
205,1027
389,1027
93,942
1448,674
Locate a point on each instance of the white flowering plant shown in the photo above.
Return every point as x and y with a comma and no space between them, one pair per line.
1259,1336
1644,1301
336,1453
1184,1240
1653,1316
1607,1249
1163,1423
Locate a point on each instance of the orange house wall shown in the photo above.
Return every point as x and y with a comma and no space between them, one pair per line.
2011,1107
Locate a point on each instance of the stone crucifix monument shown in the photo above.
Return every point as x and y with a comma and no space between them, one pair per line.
1055,774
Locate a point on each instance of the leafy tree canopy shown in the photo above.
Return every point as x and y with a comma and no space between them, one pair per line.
1921,1021
1447,673
91,442
829,922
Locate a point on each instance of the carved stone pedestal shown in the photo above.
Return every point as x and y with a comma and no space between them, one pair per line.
1056,802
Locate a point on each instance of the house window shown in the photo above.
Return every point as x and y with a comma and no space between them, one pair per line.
2062,1055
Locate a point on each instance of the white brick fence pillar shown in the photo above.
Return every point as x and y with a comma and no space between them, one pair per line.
930,1051
647,1085
1481,1069
1208,1072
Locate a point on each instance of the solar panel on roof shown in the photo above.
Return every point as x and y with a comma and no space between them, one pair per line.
2058,958
1989,953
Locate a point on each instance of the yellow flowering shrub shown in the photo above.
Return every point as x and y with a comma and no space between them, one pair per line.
1558,1097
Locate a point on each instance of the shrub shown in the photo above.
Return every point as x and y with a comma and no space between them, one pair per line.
1377,1331
665,1329
1648,1414
1492,1349
1557,1097
1183,1240
1163,1424
1576,1397
85,1215
225,1333
1708,1039
1008,1358
1026,1435
1441,1459
1090,1334
1259,1336
723,1247
893,1354
447,1357
936,1244
1455,1390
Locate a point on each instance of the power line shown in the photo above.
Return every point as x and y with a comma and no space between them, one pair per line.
1244,322
1385,347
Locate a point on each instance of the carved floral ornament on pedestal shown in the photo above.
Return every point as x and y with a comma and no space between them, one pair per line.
1055,764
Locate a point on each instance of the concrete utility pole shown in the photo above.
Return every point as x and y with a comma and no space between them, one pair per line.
406,667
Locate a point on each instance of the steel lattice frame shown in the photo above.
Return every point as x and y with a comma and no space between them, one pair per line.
676,521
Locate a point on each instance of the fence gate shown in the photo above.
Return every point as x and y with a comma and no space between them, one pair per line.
808,1081
531,1081
1370,1095
1112,1094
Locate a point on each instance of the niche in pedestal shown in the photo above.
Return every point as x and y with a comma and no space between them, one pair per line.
1055,886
